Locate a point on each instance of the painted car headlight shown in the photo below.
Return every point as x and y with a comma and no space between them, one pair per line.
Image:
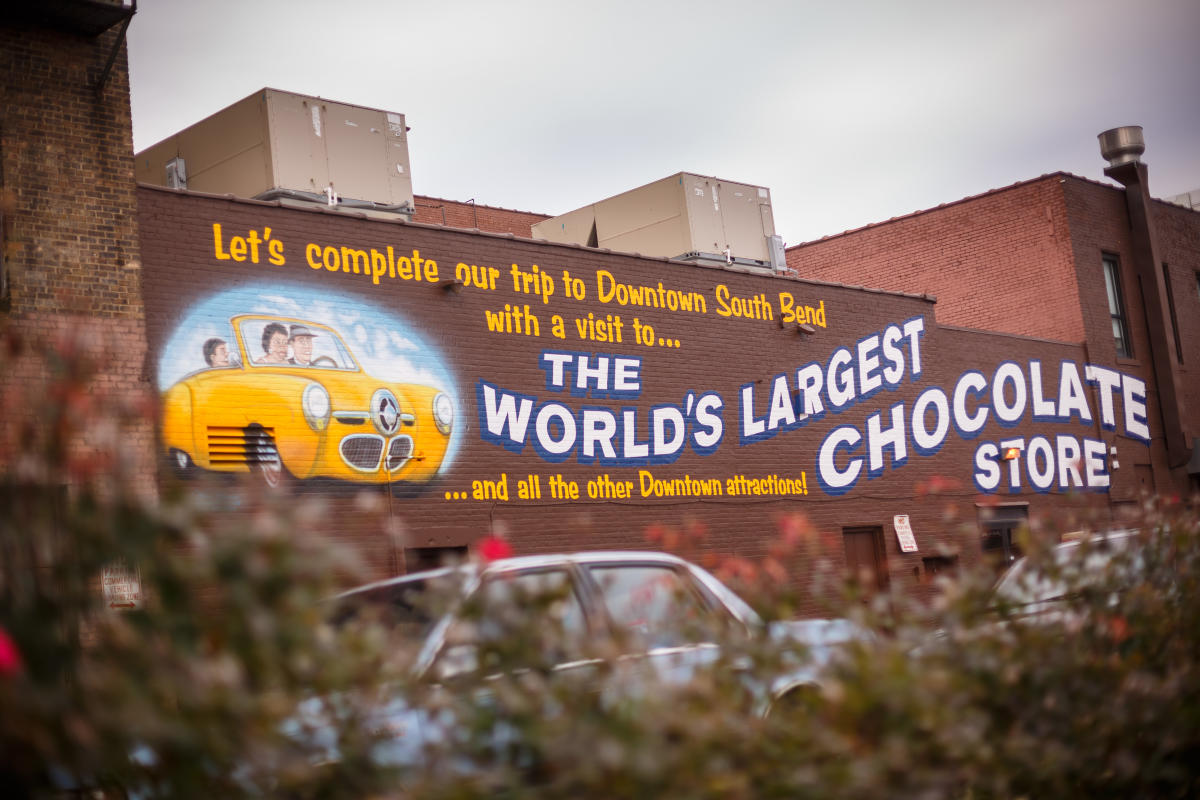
385,411
316,405
443,412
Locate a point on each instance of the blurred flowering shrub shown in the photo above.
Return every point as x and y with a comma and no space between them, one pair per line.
188,695
228,682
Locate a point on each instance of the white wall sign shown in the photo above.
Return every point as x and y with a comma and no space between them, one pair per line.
122,586
904,533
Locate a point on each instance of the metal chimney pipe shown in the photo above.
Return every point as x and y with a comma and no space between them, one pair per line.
1123,145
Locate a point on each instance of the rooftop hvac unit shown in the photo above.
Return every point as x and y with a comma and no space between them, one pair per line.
685,216
294,148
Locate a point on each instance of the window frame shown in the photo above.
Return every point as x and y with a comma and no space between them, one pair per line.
1166,270
714,609
1115,295
1001,522
448,648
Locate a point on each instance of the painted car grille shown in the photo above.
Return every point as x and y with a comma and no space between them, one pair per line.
362,451
250,445
399,452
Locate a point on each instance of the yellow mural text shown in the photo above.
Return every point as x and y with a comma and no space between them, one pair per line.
561,489
731,305
476,277
513,319
532,281
609,329
604,486
610,290
245,248
373,264
597,325
790,312
595,329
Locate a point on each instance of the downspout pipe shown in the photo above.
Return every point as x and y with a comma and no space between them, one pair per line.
1123,147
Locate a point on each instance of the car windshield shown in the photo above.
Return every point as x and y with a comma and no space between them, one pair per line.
1074,567
282,342
403,607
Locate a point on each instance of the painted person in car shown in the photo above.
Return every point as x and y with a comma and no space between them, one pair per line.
275,344
216,352
301,339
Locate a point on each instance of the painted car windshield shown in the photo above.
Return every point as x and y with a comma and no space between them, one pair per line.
293,344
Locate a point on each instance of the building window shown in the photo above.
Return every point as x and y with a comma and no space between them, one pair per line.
938,565
998,533
1116,307
419,559
1171,307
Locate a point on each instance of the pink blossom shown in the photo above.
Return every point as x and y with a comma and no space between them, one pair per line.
10,656
493,548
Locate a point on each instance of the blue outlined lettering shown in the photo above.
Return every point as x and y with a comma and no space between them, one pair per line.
836,481
879,438
597,375
1008,415
927,443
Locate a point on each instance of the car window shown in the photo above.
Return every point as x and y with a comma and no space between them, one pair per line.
654,605
276,342
407,611
403,607
516,620
1074,567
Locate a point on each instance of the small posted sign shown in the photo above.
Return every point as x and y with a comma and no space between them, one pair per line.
122,587
904,533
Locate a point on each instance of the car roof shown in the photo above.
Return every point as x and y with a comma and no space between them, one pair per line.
1095,537
526,562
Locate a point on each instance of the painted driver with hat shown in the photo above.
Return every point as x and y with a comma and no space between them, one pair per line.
301,340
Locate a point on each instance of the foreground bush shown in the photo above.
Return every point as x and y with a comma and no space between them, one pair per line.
230,681
187,696
1100,698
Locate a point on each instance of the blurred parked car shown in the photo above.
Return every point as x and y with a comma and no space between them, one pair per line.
1047,589
660,617
1041,590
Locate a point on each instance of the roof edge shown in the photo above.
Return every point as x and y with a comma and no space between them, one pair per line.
480,205
1022,336
1018,185
351,214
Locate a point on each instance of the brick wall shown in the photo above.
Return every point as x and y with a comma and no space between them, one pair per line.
190,272
1027,260
1099,225
1178,231
71,235
999,261
68,175
436,211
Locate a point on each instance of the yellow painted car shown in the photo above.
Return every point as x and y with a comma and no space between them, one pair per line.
287,397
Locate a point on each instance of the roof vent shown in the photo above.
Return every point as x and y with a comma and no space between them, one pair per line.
1122,145
177,173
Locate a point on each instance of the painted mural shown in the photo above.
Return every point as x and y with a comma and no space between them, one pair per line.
295,384
368,362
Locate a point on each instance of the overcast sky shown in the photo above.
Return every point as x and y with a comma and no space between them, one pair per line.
850,111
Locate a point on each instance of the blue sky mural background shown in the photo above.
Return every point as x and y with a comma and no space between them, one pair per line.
385,345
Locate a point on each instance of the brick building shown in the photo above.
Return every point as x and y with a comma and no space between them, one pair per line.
1063,258
70,267
455,214
472,377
